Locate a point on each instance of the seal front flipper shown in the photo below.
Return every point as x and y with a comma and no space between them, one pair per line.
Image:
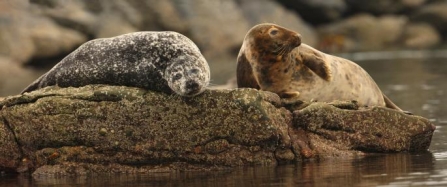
244,73
314,61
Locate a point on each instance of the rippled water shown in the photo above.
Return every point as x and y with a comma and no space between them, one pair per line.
418,86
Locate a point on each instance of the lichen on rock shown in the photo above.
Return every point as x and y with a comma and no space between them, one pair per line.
98,128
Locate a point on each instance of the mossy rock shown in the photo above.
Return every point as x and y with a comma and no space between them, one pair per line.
98,128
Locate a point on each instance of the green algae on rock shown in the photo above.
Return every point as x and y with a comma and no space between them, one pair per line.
375,129
131,126
98,128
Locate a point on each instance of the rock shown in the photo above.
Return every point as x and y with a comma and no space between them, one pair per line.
75,15
16,42
11,158
108,129
361,32
25,34
433,14
117,18
384,6
270,11
52,40
100,18
375,129
162,15
13,77
216,26
131,127
319,11
420,35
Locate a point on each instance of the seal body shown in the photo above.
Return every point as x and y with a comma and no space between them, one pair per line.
160,61
272,58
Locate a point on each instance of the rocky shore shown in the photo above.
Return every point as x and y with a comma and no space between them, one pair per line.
115,129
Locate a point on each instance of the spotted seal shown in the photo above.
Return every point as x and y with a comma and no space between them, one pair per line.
272,58
160,61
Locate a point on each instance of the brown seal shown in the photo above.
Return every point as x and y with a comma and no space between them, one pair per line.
272,58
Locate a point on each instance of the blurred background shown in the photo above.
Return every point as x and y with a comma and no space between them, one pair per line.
401,43
36,34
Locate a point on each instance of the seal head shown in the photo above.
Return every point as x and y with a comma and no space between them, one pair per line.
187,79
265,48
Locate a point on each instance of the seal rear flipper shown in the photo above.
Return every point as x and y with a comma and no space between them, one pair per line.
315,62
31,87
35,85
244,73
390,104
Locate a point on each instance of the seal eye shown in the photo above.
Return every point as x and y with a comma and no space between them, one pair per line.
273,32
177,77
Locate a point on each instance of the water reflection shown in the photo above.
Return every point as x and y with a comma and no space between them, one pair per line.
373,170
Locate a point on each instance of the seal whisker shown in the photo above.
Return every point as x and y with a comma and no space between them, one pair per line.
279,49
285,49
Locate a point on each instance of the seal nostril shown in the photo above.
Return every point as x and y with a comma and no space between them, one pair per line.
298,39
192,85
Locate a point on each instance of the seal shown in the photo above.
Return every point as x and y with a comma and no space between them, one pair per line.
160,61
272,58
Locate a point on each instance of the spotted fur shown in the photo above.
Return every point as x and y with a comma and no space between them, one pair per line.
161,61
280,63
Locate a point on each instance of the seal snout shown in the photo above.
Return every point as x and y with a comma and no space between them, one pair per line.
297,39
192,85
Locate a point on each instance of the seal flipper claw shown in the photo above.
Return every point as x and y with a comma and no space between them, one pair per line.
290,94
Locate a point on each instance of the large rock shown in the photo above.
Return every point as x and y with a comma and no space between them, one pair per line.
362,32
13,77
205,22
271,11
433,14
374,129
420,35
216,26
318,11
103,129
25,34
384,6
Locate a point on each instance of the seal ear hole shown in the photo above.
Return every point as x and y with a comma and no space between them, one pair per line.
177,76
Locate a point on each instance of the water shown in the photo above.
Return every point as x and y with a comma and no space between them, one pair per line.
418,86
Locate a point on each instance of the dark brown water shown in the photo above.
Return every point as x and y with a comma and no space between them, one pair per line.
418,86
